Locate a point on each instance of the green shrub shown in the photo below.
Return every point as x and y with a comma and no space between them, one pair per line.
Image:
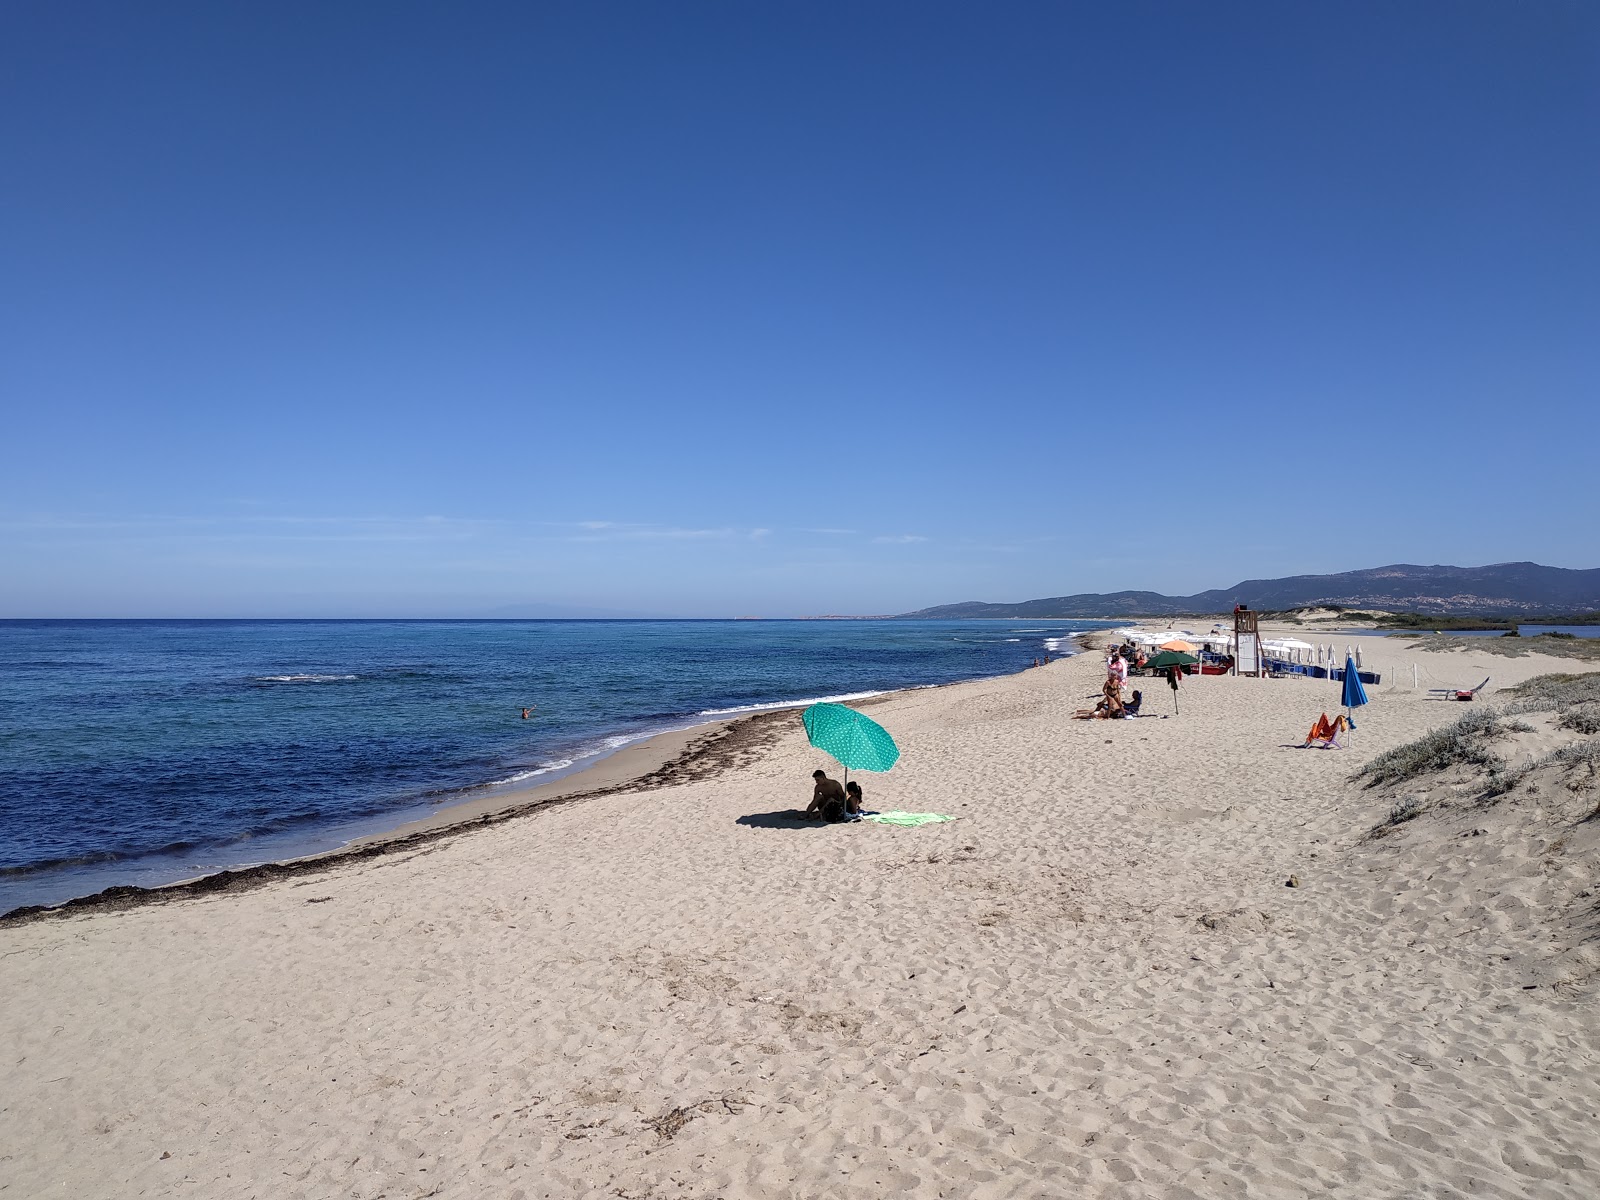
1503,778
1585,718
1575,754
1555,693
1408,809
1467,741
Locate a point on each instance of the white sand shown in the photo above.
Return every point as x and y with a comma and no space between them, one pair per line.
1093,984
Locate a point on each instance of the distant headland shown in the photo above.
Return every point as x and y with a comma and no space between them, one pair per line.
1521,589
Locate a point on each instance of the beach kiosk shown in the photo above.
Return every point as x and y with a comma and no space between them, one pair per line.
1246,642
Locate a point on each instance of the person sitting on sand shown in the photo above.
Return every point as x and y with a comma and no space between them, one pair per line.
827,799
852,799
1131,708
1110,704
1102,711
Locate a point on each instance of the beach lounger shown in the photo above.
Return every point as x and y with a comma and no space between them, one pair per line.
1324,734
1456,693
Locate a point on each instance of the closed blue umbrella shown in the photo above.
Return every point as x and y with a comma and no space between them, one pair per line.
1354,695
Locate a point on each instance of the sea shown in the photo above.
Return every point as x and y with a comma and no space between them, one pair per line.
144,752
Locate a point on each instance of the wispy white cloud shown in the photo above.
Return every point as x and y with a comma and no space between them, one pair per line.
264,528
903,539
640,531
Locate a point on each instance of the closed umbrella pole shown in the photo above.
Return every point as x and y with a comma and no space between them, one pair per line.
1353,695
1171,660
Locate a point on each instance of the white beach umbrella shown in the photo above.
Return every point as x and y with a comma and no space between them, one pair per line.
1295,647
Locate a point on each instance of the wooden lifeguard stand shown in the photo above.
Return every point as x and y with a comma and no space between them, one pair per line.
1247,642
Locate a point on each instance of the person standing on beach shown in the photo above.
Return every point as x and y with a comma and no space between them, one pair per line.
1119,668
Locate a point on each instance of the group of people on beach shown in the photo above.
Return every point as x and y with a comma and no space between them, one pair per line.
832,801
1111,705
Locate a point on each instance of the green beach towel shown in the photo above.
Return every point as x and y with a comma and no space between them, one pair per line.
905,818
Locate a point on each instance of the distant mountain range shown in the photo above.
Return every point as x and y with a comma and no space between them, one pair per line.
1504,589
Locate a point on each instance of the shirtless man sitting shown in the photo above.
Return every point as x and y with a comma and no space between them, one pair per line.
827,799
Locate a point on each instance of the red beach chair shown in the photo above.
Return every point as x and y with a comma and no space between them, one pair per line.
1456,693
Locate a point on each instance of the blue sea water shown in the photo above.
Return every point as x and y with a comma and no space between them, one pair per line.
148,751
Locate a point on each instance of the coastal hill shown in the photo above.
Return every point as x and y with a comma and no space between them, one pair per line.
1503,589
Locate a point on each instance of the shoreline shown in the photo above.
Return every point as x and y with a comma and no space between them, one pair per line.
1146,957
659,760
675,756
693,753
321,808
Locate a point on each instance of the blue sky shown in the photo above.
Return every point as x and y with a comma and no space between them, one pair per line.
724,309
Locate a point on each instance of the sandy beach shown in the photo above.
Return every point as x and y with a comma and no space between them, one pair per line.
1095,982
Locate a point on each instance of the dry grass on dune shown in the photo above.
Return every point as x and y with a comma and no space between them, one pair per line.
1467,742
1557,645
1552,763
1502,808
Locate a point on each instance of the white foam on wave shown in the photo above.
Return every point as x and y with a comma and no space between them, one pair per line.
618,741
1013,639
1061,645
595,749
561,764
305,678
776,704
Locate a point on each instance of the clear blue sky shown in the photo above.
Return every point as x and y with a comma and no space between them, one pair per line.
724,308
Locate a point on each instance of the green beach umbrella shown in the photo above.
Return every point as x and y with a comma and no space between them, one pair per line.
856,741
1171,658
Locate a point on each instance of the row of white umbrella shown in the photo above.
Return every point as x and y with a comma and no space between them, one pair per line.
1292,649
1297,651
1141,637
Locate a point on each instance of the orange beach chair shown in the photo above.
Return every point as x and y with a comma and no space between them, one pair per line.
1324,734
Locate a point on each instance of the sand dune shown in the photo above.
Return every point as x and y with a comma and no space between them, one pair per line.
1095,983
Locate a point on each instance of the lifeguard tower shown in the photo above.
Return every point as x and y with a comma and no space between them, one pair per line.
1246,642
